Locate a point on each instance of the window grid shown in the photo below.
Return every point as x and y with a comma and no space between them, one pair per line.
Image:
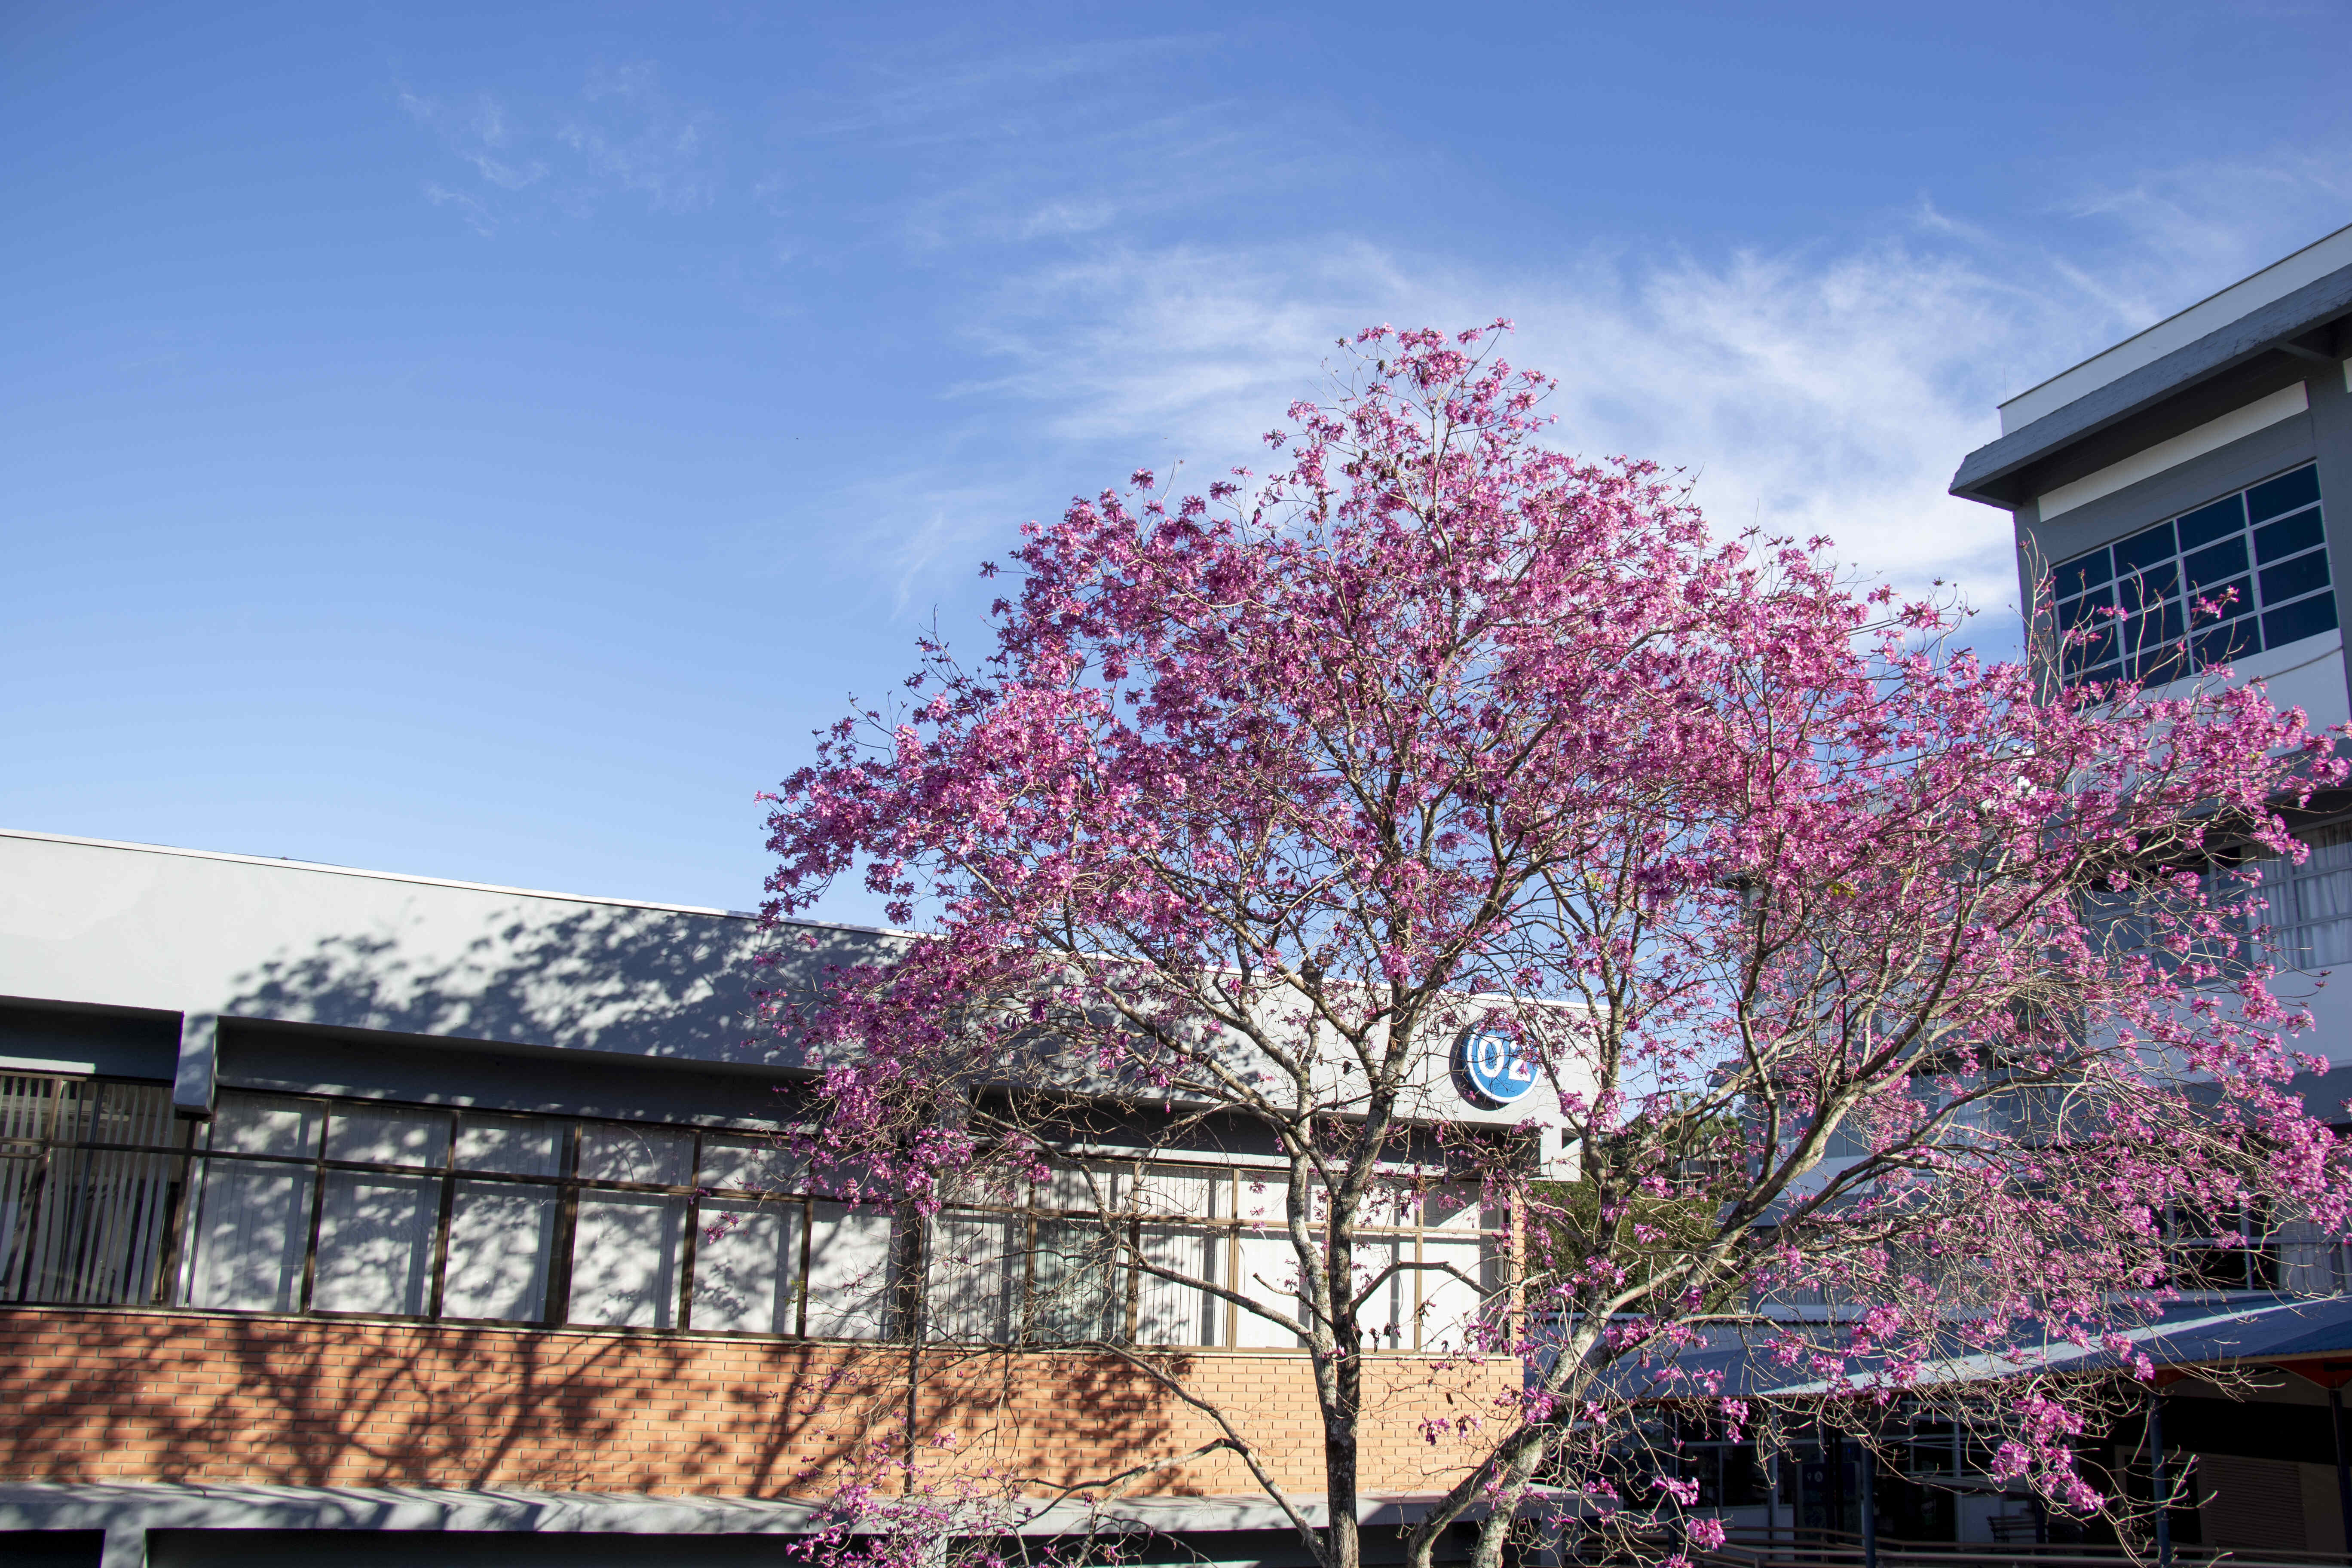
2256,561
101,1174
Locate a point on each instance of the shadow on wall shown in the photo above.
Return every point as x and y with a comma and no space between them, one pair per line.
379,1404
632,981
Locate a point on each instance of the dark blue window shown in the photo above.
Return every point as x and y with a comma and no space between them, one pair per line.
2163,662
2219,564
2228,600
2145,548
2287,536
2072,577
2226,643
2293,579
2257,560
2092,610
2097,648
2307,618
2145,587
2208,523
2285,493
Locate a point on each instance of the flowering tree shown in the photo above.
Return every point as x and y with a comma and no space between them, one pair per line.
1888,1005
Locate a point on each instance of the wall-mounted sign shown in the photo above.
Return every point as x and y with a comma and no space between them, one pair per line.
1492,1066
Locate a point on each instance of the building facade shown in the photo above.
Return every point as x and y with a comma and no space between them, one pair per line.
340,1201
2174,494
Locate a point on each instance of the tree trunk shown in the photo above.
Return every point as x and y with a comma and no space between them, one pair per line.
1341,1421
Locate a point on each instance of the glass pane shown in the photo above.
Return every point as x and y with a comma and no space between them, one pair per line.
97,1231
651,1156
2285,493
2083,572
2287,536
2208,523
745,1263
2145,548
2142,589
2227,600
1191,1194
976,1275
1080,1192
1170,1311
2209,568
2228,643
266,1124
2097,648
2293,579
849,1273
376,1243
1385,1318
1450,1290
388,1135
1268,1273
1073,1283
518,1145
2090,610
625,1256
2307,618
750,1166
1453,1208
501,1235
253,1225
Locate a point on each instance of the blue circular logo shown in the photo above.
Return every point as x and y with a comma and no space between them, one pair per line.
1496,1069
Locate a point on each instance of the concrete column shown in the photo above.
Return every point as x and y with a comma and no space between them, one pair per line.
192,1085
126,1547
2331,434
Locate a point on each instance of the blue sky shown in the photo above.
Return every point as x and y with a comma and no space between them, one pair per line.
484,442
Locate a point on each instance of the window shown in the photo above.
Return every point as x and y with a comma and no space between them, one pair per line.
90,1173
2307,909
297,1204
2255,562
308,1204
1072,1259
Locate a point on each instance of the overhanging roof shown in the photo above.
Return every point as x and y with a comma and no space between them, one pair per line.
1991,473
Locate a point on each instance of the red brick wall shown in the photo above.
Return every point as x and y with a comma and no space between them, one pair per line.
132,1395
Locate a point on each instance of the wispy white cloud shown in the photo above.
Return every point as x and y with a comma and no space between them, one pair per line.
621,135
1812,394
1814,389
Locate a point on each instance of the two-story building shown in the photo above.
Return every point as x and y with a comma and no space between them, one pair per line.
338,1207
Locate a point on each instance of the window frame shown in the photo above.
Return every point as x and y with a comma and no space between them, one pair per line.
2080,582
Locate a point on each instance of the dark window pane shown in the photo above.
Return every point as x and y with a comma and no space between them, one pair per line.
2294,579
2071,577
2239,600
2156,623
2097,648
2287,536
2094,650
2102,675
2223,561
2307,618
2285,493
2227,644
2090,610
2146,587
2161,662
2143,548
2208,523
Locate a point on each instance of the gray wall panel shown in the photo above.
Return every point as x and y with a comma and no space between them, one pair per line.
379,1066
2231,468
121,1044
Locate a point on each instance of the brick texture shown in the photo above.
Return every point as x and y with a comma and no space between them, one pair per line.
132,1395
